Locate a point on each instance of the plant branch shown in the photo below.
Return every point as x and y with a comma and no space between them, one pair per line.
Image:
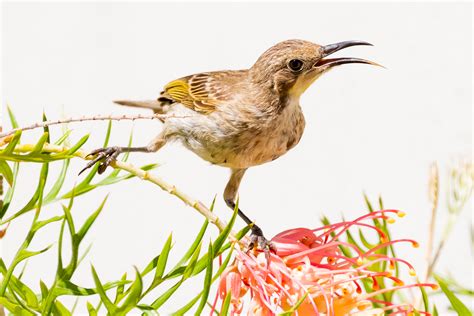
87,118
142,174
434,198
436,256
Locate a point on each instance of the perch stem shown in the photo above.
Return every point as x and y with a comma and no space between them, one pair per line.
144,175
87,118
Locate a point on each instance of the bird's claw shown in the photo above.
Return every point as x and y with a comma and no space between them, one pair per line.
258,242
105,155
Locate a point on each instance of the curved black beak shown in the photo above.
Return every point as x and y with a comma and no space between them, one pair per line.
332,48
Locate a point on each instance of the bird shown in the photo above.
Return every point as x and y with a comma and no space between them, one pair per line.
239,119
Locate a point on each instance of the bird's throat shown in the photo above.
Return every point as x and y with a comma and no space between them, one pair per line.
300,86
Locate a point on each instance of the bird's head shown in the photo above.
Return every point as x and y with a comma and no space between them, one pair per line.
290,67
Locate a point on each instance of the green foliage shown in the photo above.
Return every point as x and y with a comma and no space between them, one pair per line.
225,305
207,280
6,171
424,296
36,154
132,293
456,303
116,297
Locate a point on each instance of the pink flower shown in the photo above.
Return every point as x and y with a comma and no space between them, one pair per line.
308,268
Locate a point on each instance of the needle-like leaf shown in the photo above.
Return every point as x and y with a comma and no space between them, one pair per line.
15,285
188,271
134,295
162,259
74,148
183,310
9,195
53,193
165,296
90,220
24,254
456,303
92,311
14,308
186,274
425,298
12,144
12,117
226,231
39,145
60,310
207,280
111,308
39,224
191,249
120,289
44,290
190,304
225,305
69,288
63,138
36,196
6,171
364,241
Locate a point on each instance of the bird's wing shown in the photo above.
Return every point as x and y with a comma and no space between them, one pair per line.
202,92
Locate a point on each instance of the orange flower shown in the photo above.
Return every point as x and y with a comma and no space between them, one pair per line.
308,268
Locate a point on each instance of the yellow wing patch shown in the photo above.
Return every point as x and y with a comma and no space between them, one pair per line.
195,92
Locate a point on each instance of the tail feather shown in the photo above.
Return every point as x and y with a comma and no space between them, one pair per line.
154,105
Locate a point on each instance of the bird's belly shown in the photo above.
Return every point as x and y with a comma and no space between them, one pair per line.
234,145
243,151
260,149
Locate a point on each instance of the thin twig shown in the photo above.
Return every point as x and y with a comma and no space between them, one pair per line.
89,118
433,188
436,256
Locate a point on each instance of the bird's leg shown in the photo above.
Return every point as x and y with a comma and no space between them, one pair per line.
108,155
257,239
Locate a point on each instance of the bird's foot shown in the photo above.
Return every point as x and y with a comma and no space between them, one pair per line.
105,155
258,242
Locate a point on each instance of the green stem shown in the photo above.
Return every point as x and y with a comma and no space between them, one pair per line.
142,174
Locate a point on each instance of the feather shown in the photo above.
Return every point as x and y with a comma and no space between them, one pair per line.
202,92
148,104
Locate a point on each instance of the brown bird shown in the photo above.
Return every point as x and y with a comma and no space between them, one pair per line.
239,118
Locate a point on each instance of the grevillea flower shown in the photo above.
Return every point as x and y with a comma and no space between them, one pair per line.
309,270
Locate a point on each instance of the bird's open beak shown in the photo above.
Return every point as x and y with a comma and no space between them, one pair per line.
326,63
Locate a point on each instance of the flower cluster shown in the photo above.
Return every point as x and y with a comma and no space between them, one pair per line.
309,274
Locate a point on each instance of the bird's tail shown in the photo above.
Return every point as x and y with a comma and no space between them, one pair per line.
154,105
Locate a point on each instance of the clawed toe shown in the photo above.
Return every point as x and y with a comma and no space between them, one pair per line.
258,242
104,155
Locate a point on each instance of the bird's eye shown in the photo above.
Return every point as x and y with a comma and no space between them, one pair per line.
295,65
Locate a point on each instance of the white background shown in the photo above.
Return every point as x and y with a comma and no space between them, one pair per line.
368,129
